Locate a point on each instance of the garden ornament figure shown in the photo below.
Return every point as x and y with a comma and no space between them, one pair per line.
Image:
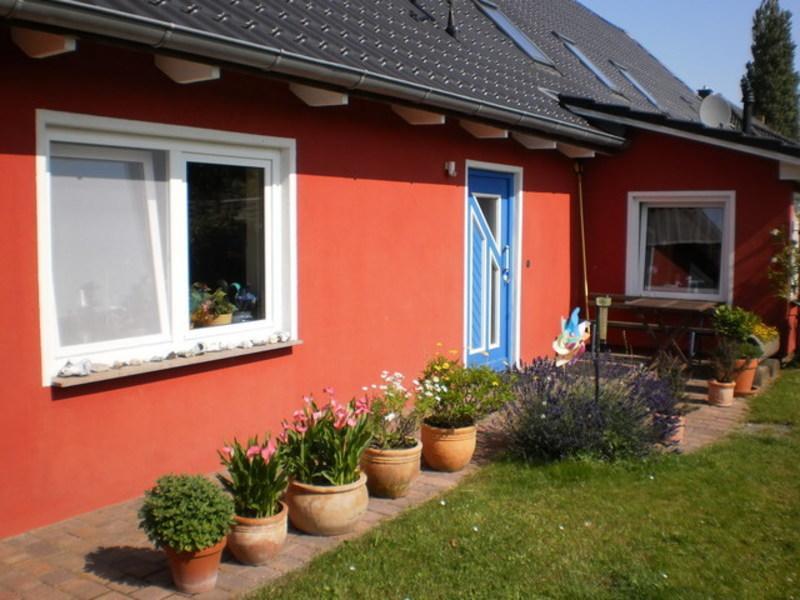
571,342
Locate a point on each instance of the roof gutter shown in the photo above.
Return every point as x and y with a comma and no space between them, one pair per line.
107,23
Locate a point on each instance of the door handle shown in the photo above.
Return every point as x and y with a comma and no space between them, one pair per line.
506,263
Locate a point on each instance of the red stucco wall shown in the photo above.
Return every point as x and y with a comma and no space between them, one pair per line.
381,254
655,162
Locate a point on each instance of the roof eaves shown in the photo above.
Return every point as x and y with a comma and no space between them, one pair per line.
156,34
774,148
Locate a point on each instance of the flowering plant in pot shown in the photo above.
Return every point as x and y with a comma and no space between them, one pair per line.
391,462
327,493
209,308
735,325
188,516
452,399
256,480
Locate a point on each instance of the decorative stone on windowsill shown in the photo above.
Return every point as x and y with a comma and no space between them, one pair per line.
105,373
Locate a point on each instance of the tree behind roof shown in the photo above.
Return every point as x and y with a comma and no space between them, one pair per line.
771,72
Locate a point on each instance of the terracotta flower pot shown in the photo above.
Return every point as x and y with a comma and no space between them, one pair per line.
720,394
744,380
390,472
256,541
195,572
448,449
677,434
327,509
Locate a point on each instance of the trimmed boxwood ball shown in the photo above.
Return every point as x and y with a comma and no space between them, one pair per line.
186,513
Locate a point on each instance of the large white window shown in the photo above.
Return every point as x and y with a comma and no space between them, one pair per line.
154,238
681,245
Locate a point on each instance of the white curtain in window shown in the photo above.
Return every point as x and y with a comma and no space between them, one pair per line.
107,269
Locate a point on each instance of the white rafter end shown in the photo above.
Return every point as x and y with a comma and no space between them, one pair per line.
186,71
483,131
575,151
41,44
534,142
318,97
416,116
789,171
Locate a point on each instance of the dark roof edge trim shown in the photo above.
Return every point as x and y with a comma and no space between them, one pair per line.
78,17
688,135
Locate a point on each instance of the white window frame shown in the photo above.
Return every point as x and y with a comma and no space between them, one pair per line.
634,273
182,145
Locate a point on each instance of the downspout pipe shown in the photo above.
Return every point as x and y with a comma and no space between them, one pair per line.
161,35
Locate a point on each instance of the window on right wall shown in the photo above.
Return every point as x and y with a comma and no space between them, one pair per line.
680,245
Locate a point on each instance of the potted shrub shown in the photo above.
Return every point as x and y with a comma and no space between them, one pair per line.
256,480
327,492
452,398
209,308
720,389
391,462
188,516
736,325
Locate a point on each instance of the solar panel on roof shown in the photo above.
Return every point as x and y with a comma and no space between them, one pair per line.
507,26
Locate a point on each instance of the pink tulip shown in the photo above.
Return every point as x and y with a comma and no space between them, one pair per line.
283,437
300,427
307,399
352,422
329,390
253,451
341,421
268,450
227,451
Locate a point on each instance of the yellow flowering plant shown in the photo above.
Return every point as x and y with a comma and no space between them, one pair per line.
451,395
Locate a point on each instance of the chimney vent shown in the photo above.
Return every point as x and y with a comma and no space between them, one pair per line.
451,28
705,92
748,99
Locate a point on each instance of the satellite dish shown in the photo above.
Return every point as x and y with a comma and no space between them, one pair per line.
715,112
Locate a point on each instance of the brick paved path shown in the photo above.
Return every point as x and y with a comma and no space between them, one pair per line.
103,554
706,423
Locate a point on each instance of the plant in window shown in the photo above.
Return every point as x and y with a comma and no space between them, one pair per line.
392,461
328,493
452,398
256,480
209,308
188,516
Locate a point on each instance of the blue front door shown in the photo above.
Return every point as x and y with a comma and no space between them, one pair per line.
489,294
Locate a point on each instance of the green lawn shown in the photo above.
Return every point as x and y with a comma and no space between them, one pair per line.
722,523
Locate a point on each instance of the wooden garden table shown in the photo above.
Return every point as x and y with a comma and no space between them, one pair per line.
664,319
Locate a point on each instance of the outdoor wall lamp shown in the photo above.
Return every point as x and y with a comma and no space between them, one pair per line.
450,168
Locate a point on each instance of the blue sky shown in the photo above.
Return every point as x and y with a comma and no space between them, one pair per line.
704,42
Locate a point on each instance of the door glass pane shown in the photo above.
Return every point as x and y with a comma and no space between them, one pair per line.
494,304
107,229
683,249
490,207
226,243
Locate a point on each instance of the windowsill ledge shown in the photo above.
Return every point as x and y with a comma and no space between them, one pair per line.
172,363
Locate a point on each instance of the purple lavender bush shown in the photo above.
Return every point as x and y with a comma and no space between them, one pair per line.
555,413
